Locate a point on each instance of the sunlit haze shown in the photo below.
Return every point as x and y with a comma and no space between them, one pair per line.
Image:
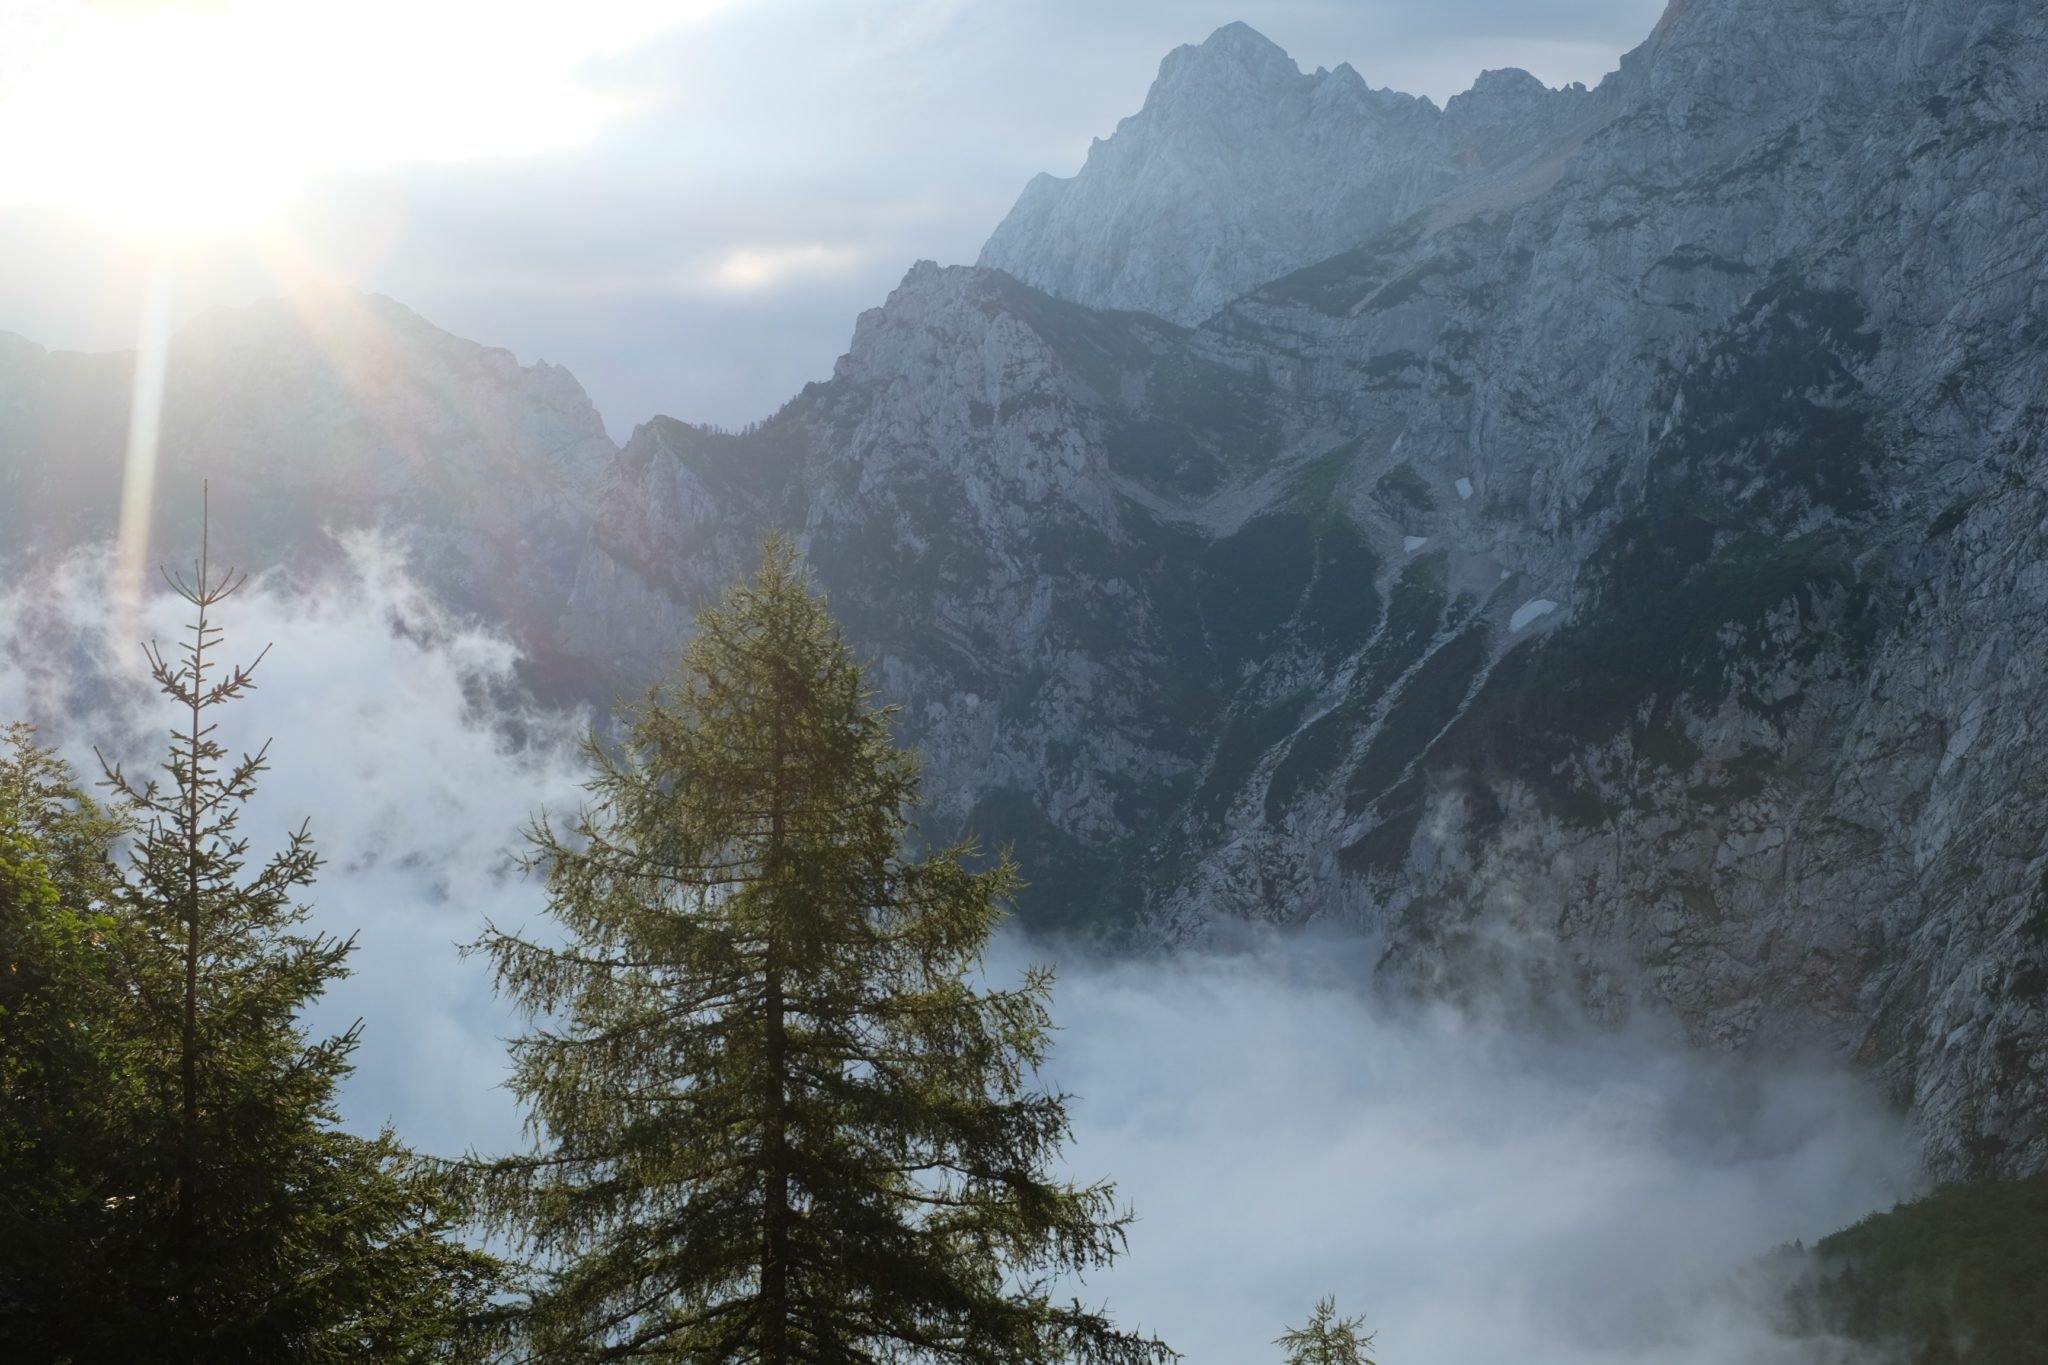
186,117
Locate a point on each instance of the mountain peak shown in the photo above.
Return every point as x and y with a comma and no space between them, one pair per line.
1241,41
1235,51
1511,80
1240,168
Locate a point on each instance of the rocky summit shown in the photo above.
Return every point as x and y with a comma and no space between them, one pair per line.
1595,540
1241,169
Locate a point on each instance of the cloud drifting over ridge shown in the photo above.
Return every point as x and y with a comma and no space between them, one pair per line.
396,730
1482,1192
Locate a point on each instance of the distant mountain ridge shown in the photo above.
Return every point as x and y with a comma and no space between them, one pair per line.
1612,570
1241,169
326,410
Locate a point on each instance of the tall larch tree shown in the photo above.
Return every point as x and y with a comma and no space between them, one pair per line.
259,1229
779,1120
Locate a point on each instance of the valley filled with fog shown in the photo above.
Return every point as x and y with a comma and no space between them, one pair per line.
1479,1187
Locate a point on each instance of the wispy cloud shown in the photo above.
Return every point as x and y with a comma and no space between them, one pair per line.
750,268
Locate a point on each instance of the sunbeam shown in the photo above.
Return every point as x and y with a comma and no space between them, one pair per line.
145,423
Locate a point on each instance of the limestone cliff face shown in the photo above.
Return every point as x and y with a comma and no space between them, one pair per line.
1594,540
991,488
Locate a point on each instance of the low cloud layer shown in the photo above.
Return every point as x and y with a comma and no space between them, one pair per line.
1481,1192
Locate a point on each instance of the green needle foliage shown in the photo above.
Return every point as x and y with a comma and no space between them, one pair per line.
68,1080
207,1207
1327,1339
780,1122
1958,1277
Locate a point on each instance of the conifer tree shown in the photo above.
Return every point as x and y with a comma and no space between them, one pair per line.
257,1230
1327,1339
780,1121
68,1077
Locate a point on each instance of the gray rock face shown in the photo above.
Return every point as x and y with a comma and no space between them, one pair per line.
1608,561
1240,169
970,487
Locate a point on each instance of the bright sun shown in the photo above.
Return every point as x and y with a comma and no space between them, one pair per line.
203,115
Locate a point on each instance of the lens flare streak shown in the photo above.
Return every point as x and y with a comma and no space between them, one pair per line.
145,424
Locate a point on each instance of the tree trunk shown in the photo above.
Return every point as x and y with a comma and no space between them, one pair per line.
182,1234
775,1304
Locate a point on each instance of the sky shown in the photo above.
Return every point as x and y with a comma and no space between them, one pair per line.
1479,1190
687,202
